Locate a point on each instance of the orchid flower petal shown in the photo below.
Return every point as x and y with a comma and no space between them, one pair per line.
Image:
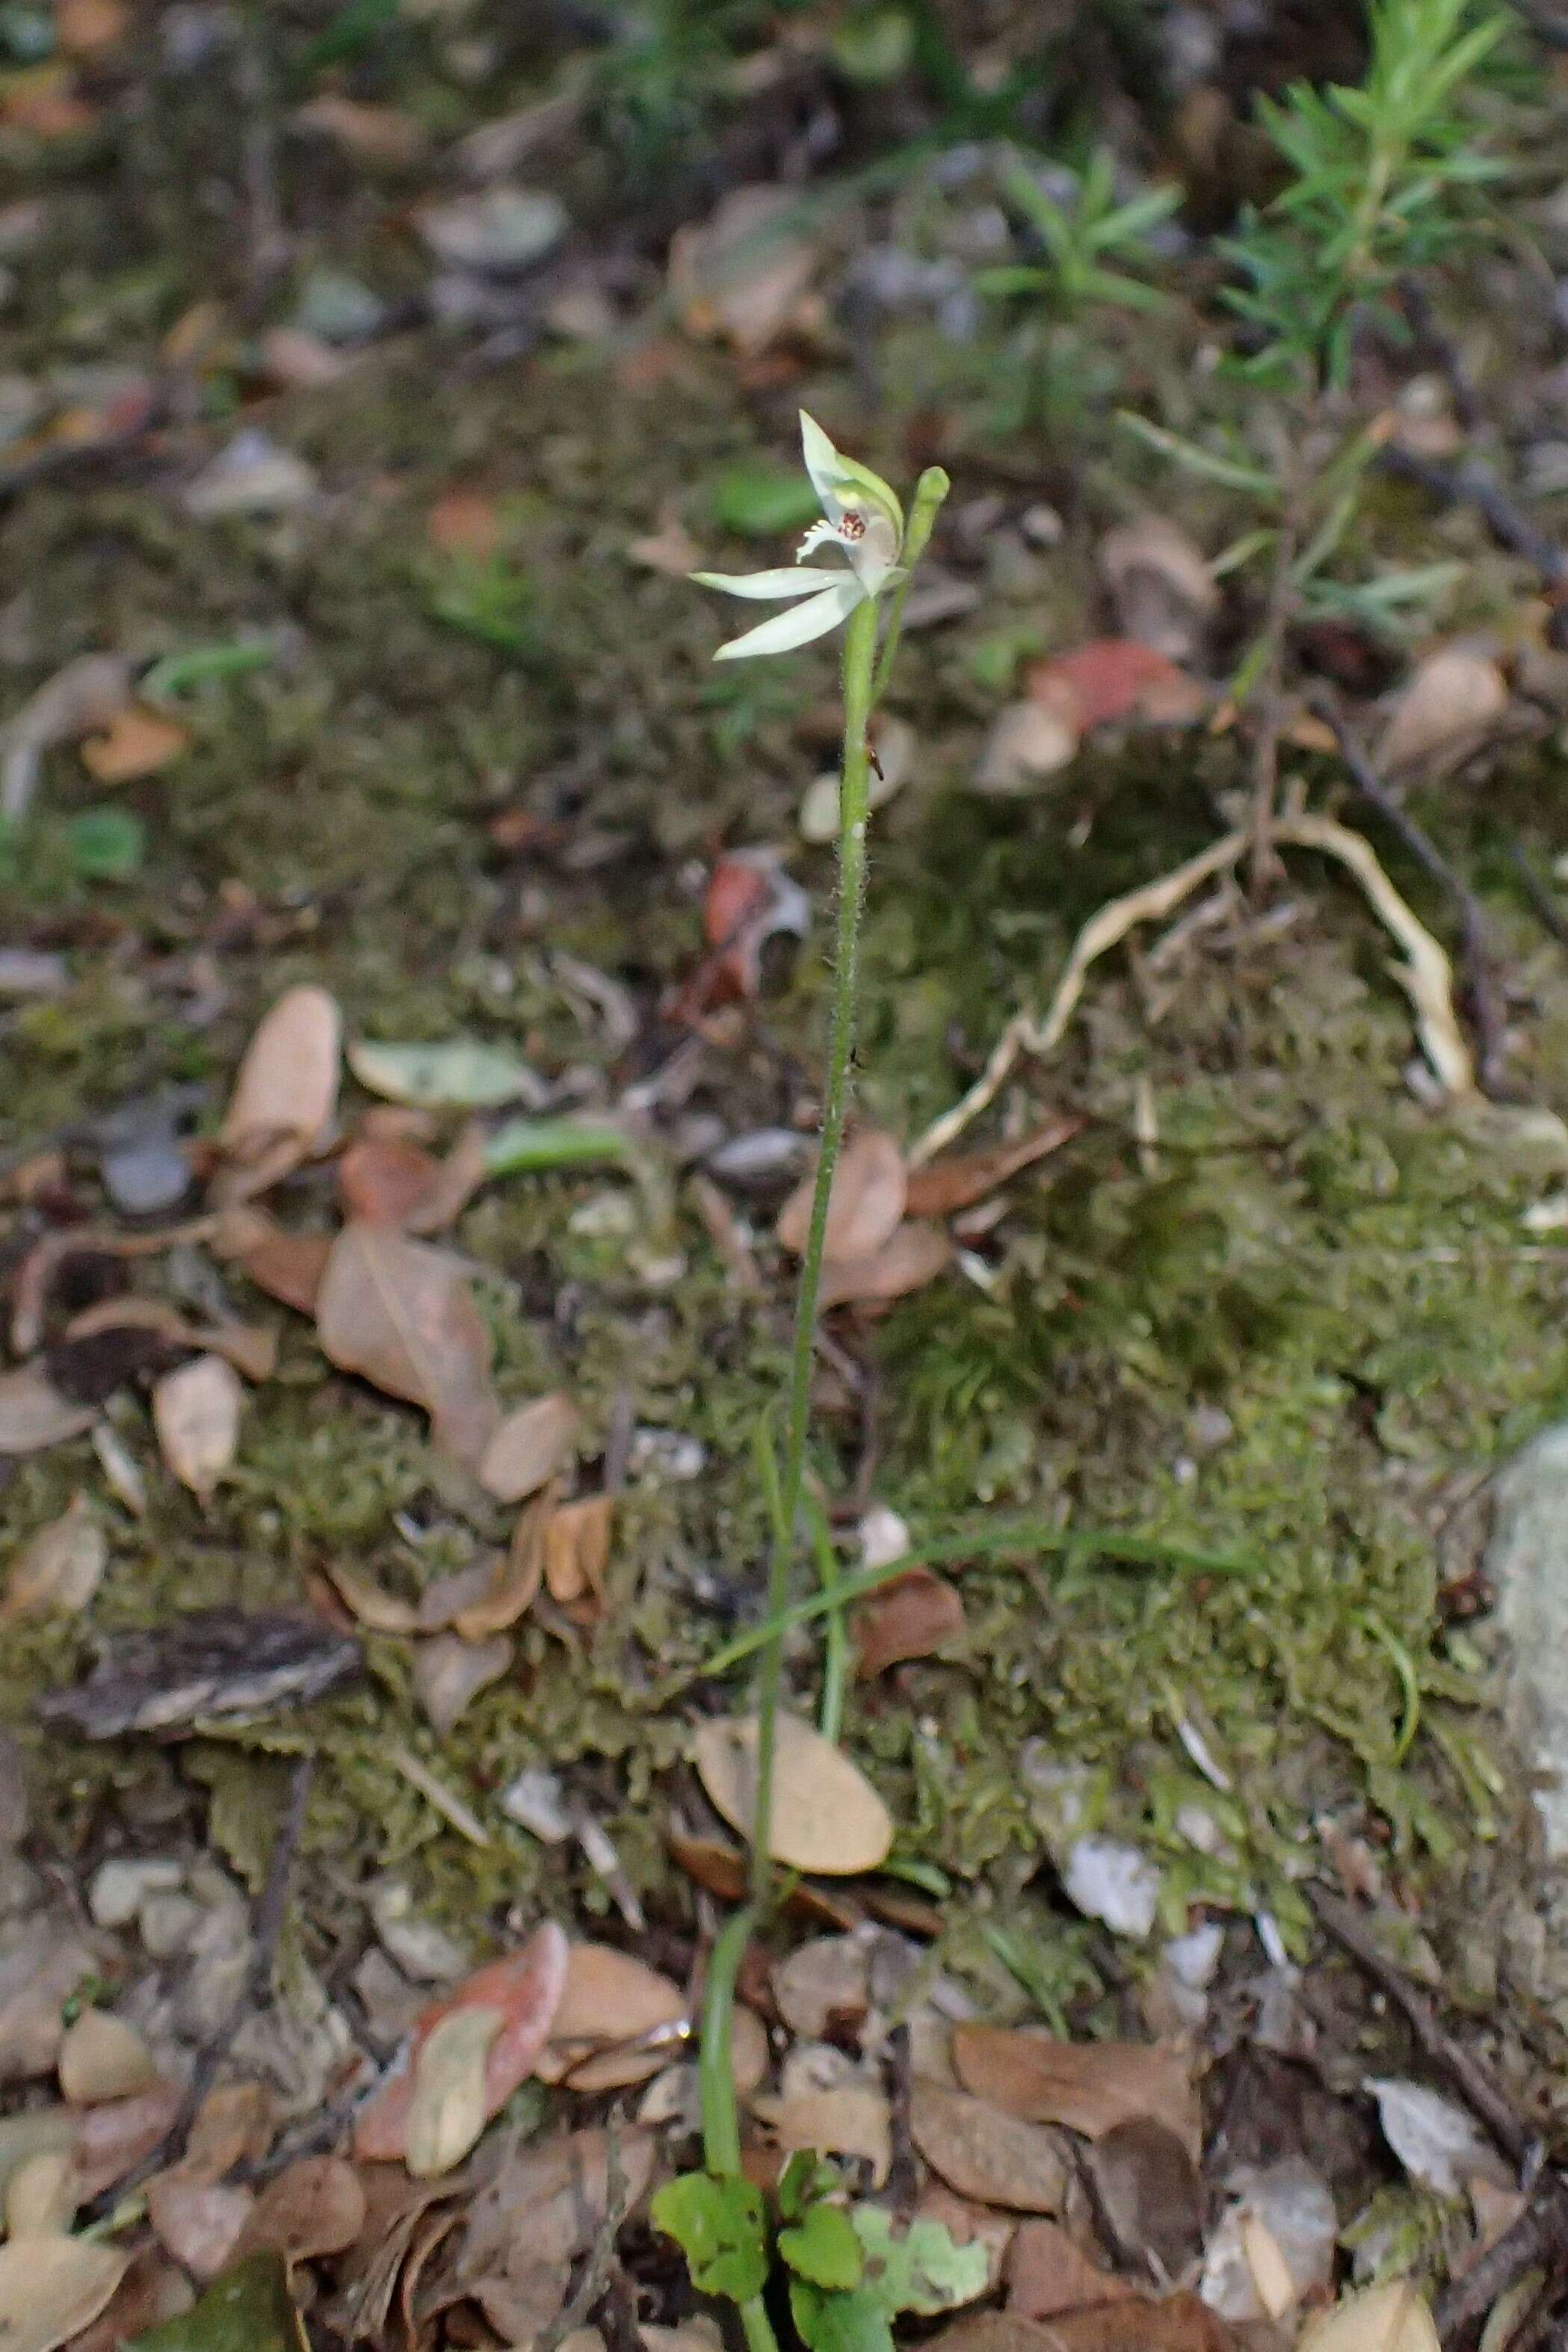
768,585
844,485
798,627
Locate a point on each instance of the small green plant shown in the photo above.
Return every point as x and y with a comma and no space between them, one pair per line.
1091,246
1378,175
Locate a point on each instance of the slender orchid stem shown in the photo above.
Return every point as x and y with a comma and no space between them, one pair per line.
854,801
929,491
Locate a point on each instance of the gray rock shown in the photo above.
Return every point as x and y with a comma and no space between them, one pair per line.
167,1923
1527,1563
119,1888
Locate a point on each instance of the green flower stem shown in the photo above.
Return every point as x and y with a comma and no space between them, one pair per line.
716,2082
854,800
836,1641
929,491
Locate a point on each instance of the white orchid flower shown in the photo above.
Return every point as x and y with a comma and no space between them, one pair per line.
861,517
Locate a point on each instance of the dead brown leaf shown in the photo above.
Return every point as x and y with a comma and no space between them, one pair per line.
233,2126
915,1255
983,2153
969,2224
503,1591
577,1553
1049,2272
532,1444
960,1179
37,1977
670,549
1028,741
195,1412
840,2119
315,2205
465,522
564,2186
1455,701
1131,2323
33,1413
88,693
58,1569
1148,2193
197,2222
826,1816
101,2058
285,1095
1390,2318
745,273
287,1267
909,1617
153,2289
612,2002
136,743
371,134
450,1673
51,2288
1092,2086
864,1205
120,2134
401,1313
370,1604
822,1987
385,1182
83,27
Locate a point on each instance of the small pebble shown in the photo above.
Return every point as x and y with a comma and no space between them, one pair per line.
167,1923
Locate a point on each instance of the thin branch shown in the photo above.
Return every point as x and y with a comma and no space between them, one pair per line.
1485,2100
1481,991
1472,483
1539,2232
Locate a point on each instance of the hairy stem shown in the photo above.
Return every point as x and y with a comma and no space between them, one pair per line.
853,791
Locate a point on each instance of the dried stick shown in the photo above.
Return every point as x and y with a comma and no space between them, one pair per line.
1539,2229
1481,989
1469,2076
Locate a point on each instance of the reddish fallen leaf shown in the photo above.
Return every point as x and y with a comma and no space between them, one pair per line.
83,27
909,1617
392,1180
1092,2086
864,1205
465,522
1136,2323
403,1315
915,1255
525,1988
1047,2274
287,1267
956,1182
1113,679
612,2003
137,743
750,900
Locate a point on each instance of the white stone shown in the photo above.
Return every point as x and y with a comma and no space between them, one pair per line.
119,1888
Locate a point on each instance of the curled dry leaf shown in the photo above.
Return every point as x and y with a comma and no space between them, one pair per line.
450,1673
233,2126
315,2205
960,1179
1111,681
153,2289
58,1569
1455,701
88,693
34,1415
51,2288
197,2222
101,2057
849,2118
612,2002
41,1971
865,1205
195,1412
285,1096
530,1445
984,2154
41,2196
915,1255
750,901
823,1989
122,2133
394,1181
501,1591
1092,2086
1149,2196
1392,2318
577,1553
370,1604
524,1989
826,1816
137,743
370,134
403,1315
909,1617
